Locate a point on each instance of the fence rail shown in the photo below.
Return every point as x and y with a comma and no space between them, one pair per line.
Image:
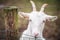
30,37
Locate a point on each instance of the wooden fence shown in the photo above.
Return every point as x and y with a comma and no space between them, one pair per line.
10,22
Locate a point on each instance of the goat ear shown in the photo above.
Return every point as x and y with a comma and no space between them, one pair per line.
33,5
23,15
43,7
51,18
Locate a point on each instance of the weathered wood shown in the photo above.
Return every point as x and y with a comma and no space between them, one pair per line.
2,26
11,22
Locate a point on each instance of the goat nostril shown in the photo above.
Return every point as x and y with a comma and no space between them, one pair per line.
36,34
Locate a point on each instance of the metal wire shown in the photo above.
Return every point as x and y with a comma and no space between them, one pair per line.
31,37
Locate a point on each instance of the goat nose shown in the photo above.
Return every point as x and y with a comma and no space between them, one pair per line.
36,34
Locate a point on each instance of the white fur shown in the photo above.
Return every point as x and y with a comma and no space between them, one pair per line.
36,24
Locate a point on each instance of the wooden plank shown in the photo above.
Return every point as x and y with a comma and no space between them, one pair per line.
11,22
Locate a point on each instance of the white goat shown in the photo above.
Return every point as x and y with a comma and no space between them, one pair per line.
36,23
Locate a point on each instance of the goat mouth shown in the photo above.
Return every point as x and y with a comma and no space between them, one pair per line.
35,36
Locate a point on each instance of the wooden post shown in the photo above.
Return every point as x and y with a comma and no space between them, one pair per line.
11,18
2,25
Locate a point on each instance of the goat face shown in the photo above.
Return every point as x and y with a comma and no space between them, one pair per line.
36,23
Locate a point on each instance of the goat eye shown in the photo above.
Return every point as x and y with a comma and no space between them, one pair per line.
30,20
44,21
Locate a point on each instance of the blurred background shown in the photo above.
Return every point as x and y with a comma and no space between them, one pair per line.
51,31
